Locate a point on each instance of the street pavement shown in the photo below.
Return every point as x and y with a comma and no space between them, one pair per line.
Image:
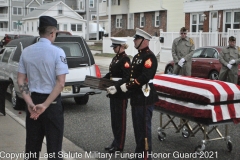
12,129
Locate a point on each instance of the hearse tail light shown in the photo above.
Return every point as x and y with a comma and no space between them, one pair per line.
98,73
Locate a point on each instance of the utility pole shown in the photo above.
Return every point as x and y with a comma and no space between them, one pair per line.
87,14
97,20
109,17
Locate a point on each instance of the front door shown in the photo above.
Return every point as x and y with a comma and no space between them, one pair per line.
214,22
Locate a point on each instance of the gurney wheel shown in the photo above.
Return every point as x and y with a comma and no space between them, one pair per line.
185,133
229,146
161,136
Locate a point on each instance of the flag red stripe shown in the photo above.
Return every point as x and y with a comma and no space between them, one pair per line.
208,87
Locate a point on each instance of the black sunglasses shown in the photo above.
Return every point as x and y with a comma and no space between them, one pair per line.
183,33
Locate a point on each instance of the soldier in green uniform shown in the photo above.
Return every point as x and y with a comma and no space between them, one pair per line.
182,51
230,58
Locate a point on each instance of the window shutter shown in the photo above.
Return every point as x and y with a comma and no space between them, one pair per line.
119,2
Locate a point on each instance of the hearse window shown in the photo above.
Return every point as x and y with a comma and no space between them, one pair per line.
70,49
7,54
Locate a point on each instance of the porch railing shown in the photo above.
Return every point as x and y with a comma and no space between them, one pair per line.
200,38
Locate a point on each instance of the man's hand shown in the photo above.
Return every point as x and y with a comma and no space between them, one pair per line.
33,114
232,62
112,90
181,62
40,108
124,87
229,66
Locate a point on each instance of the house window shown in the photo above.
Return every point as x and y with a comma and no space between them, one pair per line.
91,3
114,2
142,20
65,27
27,26
15,25
31,9
60,9
157,19
93,16
228,21
232,20
81,5
17,11
118,21
236,22
76,27
197,22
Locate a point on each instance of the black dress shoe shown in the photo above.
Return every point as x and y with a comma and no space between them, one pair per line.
108,147
113,150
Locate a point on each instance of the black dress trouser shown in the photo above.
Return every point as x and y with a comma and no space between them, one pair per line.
118,108
50,124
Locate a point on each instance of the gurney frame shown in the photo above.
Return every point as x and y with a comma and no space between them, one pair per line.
202,124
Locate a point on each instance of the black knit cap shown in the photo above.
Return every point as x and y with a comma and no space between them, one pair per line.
232,38
47,21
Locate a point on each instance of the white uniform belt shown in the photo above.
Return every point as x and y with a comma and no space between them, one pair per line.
115,79
150,81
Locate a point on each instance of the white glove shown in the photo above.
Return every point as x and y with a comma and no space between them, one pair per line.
232,61
124,87
112,90
180,63
182,60
229,66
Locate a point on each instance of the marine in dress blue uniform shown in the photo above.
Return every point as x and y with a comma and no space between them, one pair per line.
45,66
143,94
118,71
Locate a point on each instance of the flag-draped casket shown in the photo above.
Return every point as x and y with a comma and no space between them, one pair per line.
198,97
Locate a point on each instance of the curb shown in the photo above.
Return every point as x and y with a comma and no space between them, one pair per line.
70,146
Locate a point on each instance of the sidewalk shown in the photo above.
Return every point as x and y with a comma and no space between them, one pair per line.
105,61
13,135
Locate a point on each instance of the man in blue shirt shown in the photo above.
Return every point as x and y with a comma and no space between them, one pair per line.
41,78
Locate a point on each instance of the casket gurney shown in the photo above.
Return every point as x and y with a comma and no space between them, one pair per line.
205,102
98,83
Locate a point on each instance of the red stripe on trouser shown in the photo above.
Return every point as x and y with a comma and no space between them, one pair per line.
218,112
231,110
146,129
123,124
209,87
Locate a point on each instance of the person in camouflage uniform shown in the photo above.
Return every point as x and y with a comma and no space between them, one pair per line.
182,51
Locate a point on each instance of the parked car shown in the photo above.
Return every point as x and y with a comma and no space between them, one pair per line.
80,63
8,37
63,33
205,63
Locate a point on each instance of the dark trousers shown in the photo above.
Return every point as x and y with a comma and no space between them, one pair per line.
140,129
118,108
49,124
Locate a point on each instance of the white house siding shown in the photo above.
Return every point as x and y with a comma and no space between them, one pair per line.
200,6
69,21
175,14
122,9
136,6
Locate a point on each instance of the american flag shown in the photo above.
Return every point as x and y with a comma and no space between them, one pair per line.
199,97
